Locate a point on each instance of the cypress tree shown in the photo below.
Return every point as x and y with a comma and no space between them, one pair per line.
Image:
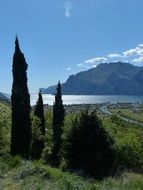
20,100
39,128
58,120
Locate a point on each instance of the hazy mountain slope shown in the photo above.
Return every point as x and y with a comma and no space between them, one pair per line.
3,97
113,78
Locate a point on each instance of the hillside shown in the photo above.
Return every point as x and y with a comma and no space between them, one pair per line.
3,97
106,79
18,174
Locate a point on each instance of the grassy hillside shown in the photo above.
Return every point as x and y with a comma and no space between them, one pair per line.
18,174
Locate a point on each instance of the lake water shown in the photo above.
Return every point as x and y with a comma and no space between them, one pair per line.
79,99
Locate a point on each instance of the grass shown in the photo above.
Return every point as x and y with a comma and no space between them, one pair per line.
18,174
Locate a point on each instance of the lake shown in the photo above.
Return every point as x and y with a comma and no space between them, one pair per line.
93,99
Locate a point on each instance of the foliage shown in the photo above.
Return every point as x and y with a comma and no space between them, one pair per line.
23,174
38,130
47,152
115,119
37,144
88,148
129,113
5,127
39,112
20,100
128,141
58,121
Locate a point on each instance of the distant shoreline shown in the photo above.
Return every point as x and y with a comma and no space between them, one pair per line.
92,99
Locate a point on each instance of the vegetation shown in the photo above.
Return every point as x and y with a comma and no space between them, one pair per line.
58,121
20,101
128,142
18,174
129,113
93,149
37,143
39,112
88,147
5,127
38,129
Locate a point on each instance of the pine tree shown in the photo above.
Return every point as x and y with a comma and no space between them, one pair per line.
58,120
20,100
38,129
89,148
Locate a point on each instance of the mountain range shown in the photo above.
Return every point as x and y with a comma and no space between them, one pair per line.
116,78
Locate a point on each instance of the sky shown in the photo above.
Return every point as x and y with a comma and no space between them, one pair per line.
60,38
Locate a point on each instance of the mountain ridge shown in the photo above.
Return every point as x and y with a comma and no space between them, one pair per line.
115,78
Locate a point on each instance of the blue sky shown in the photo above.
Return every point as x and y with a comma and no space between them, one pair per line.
60,38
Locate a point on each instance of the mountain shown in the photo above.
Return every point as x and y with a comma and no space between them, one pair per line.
4,97
106,79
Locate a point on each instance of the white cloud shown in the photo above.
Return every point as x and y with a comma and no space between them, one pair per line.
80,65
114,55
140,51
133,55
83,66
69,69
68,7
131,52
94,66
137,60
140,45
96,60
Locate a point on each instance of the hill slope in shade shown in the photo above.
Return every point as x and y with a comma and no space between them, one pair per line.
106,79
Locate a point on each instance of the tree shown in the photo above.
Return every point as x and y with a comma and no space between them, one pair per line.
38,128
37,144
89,148
20,100
39,112
58,120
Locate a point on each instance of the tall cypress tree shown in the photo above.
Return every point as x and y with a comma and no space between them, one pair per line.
58,120
39,112
20,100
38,129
